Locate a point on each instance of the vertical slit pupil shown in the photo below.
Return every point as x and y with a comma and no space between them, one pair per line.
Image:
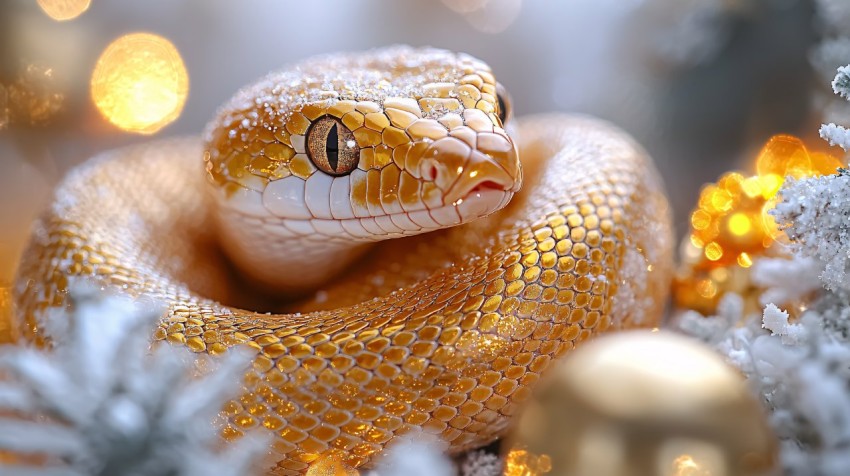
332,147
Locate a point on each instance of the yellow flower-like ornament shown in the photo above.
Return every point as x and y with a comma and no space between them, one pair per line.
642,403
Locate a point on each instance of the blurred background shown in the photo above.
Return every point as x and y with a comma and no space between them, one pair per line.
702,84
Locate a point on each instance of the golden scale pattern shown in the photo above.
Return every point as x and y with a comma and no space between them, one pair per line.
458,335
253,142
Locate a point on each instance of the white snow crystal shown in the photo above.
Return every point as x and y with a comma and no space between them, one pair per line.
841,83
799,368
776,321
786,279
815,214
835,135
481,463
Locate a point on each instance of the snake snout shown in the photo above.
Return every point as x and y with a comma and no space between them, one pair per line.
480,173
464,172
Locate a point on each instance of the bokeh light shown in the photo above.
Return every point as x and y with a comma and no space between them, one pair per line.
63,10
520,462
732,223
487,16
685,465
140,83
36,97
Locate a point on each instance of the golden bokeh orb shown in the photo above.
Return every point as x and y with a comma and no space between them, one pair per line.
140,83
64,10
732,225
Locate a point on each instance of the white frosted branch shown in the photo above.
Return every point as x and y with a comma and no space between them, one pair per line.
841,83
39,437
99,403
835,135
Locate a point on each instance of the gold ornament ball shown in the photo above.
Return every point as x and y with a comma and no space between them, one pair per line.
638,404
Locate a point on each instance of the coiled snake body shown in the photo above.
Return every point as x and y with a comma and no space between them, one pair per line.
445,331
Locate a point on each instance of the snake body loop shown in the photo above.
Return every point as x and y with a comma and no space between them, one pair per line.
445,331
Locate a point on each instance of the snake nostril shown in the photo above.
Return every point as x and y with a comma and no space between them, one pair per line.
430,171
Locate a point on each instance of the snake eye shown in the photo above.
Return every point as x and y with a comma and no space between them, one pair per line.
504,103
332,147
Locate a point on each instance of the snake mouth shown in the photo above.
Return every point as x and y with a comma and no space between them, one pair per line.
486,177
465,173
482,201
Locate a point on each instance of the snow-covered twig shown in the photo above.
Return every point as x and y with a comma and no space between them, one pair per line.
800,368
815,214
834,133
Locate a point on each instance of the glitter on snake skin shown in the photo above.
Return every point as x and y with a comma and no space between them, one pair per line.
446,331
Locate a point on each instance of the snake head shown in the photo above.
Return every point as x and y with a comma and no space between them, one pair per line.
386,143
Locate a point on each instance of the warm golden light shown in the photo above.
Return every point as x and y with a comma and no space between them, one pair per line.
63,10
713,251
685,465
6,331
523,463
330,465
732,225
140,83
739,224
744,260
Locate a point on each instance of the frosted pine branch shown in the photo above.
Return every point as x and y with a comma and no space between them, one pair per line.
815,214
800,371
800,368
841,83
834,133
101,402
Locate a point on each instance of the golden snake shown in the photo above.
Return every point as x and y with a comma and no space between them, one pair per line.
445,331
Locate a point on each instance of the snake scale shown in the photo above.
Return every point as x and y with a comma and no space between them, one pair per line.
295,180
